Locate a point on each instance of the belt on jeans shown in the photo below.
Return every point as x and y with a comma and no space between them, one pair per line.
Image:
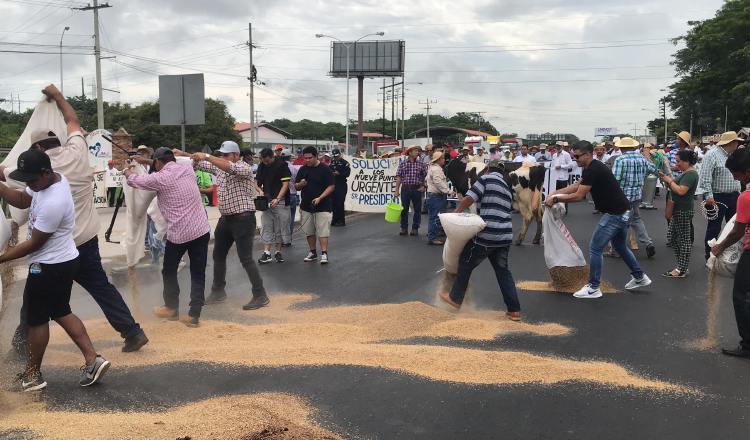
437,194
411,186
241,214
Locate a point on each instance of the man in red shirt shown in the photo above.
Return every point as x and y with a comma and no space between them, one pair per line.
739,164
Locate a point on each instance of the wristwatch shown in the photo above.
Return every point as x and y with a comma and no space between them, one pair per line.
554,199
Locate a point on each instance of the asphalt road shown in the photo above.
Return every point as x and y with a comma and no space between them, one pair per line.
648,332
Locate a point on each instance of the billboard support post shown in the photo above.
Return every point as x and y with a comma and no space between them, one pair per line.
360,92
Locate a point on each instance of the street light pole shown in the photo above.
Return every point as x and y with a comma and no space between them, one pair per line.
347,45
62,88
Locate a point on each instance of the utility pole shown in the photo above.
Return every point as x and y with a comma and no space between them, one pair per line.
383,114
691,126
479,119
12,109
83,91
665,122
427,105
98,58
392,95
403,120
251,78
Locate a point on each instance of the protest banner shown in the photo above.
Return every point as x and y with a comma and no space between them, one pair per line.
100,149
100,190
371,183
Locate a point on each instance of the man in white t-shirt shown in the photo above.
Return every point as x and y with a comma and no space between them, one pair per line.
71,159
525,156
560,166
53,263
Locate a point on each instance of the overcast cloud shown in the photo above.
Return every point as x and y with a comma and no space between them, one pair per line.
528,64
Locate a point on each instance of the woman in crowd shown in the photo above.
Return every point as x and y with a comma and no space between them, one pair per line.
680,210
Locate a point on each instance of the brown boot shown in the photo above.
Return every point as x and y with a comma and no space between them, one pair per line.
165,312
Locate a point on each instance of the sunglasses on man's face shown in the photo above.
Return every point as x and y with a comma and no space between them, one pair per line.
578,156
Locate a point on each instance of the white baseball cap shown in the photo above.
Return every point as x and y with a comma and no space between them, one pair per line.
229,147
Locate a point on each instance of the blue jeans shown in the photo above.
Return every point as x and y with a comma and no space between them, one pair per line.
155,245
411,195
436,204
472,255
611,228
293,204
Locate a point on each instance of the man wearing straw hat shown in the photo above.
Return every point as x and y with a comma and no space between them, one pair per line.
630,170
720,190
437,197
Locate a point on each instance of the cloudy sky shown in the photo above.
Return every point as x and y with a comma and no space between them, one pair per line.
530,65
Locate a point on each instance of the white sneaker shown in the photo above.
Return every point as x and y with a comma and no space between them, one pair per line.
588,293
636,284
324,258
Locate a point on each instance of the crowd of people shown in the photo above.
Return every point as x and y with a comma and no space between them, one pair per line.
62,247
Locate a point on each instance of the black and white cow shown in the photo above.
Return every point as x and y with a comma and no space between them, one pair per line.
527,182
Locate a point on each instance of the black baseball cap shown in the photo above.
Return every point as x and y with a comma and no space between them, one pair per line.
164,154
31,164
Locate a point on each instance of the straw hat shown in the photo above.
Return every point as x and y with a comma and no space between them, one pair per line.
627,142
685,136
436,156
728,137
412,147
564,144
560,143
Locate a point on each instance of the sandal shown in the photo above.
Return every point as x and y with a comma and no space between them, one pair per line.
674,273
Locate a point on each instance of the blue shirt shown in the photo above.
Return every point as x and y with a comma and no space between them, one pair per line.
630,170
493,198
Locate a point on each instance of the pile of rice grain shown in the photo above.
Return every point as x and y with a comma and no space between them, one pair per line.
569,279
268,416
368,336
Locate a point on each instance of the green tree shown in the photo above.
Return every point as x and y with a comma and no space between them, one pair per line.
714,72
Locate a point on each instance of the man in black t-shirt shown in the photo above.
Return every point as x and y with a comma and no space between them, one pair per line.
613,226
274,177
315,180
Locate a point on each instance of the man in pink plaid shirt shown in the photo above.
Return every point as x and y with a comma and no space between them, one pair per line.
187,231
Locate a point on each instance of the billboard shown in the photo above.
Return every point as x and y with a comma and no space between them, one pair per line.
607,131
181,100
368,58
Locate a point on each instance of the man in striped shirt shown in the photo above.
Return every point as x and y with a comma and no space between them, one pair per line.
493,198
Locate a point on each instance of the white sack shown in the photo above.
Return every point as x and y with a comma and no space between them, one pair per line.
725,265
159,221
4,233
560,248
137,201
459,229
46,115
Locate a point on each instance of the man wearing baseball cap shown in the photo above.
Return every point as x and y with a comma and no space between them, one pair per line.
187,231
53,264
235,187
278,149
341,171
71,159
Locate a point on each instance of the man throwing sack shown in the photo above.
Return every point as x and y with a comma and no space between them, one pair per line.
53,264
610,200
